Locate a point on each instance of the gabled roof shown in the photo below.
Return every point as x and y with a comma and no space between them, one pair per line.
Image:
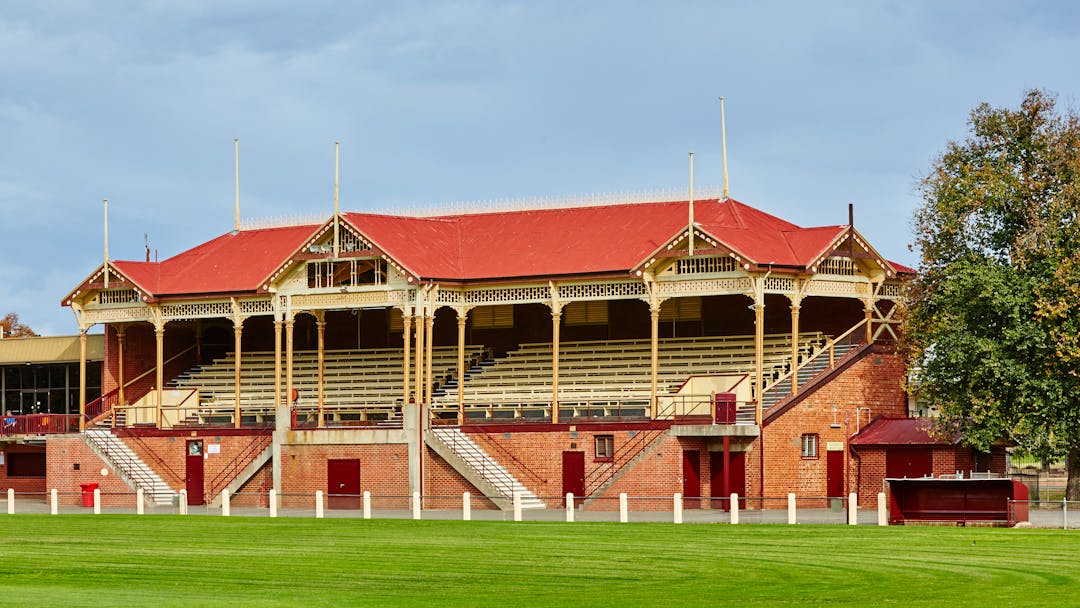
491,246
899,432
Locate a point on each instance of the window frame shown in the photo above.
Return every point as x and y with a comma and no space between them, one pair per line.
809,446
604,448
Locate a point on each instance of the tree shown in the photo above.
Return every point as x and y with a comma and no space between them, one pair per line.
13,328
993,319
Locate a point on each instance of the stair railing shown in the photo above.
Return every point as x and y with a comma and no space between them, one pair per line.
630,450
127,463
464,448
158,460
225,476
848,338
100,409
508,454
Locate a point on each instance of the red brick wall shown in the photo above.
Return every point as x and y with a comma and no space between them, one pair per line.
384,471
445,486
63,452
19,484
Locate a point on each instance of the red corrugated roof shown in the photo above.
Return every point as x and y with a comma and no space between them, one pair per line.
510,244
898,431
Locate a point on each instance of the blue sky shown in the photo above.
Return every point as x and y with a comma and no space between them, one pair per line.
434,103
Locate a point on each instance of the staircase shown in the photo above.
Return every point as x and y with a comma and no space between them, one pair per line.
124,461
806,373
481,470
625,458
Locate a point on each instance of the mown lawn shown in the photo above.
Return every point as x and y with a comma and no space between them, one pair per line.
203,561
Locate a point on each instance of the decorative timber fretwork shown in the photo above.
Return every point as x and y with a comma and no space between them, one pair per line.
507,295
732,286
601,291
890,291
90,317
257,307
782,285
705,265
116,296
838,267
196,310
838,289
357,299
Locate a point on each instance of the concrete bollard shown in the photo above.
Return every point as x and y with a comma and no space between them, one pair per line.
852,509
54,502
273,502
517,506
882,517
318,504
11,501
183,502
416,505
676,507
225,506
466,506
97,501
734,502
792,514
367,504
624,512
140,504
569,507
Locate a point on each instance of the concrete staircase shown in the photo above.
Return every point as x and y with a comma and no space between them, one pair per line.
128,466
245,474
480,469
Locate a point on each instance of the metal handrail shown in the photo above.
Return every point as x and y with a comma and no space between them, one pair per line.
159,460
499,477
828,348
237,464
628,451
127,464
100,409
524,467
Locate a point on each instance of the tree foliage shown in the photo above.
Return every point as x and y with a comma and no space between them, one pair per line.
993,319
14,328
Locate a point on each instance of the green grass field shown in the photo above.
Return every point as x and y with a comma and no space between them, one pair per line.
202,561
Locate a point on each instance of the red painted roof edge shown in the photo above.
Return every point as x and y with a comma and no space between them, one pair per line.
840,229
66,300
917,435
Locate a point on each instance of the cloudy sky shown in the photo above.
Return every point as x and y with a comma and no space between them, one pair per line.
436,103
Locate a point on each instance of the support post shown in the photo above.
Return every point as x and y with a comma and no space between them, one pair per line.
654,358
794,349
792,512
882,517
159,372
289,366
727,466
406,337
82,379
569,507
321,389
556,317
122,398
677,508
462,318
759,358
869,323
238,331
430,375
419,381
277,364
853,509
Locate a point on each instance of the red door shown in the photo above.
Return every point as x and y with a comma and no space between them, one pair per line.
691,473
834,473
343,484
736,479
193,471
573,474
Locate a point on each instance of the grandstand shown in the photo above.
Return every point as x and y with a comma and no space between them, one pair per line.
558,346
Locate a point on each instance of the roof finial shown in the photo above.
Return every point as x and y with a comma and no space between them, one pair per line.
723,146
690,248
337,233
236,184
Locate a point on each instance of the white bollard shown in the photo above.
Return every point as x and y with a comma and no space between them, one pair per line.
1064,513
466,506
416,505
183,502
273,502
792,514
139,503
569,507
11,501
677,508
624,514
882,518
517,506
852,509
367,504
318,504
97,501
225,506
734,502
54,502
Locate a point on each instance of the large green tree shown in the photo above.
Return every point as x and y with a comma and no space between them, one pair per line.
993,319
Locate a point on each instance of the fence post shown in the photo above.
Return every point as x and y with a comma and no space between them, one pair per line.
273,502
416,505
792,513
225,506
852,509
318,504
182,502
569,507
676,507
54,501
97,501
11,501
882,519
466,506
367,504
139,502
1064,512
517,506
623,511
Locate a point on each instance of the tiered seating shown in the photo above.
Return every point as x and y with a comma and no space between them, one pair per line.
370,377
618,371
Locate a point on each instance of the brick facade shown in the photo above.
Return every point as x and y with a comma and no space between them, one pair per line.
21,485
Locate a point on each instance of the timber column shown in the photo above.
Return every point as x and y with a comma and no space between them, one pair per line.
556,317
794,348
82,379
406,337
159,372
320,317
759,357
277,365
429,321
462,318
238,331
120,363
869,310
654,358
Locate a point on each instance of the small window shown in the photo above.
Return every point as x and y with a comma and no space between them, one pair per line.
26,464
605,447
809,445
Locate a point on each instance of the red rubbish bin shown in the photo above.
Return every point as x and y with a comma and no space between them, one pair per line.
88,493
725,408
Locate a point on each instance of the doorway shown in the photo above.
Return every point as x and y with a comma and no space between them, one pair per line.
193,472
573,475
343,484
